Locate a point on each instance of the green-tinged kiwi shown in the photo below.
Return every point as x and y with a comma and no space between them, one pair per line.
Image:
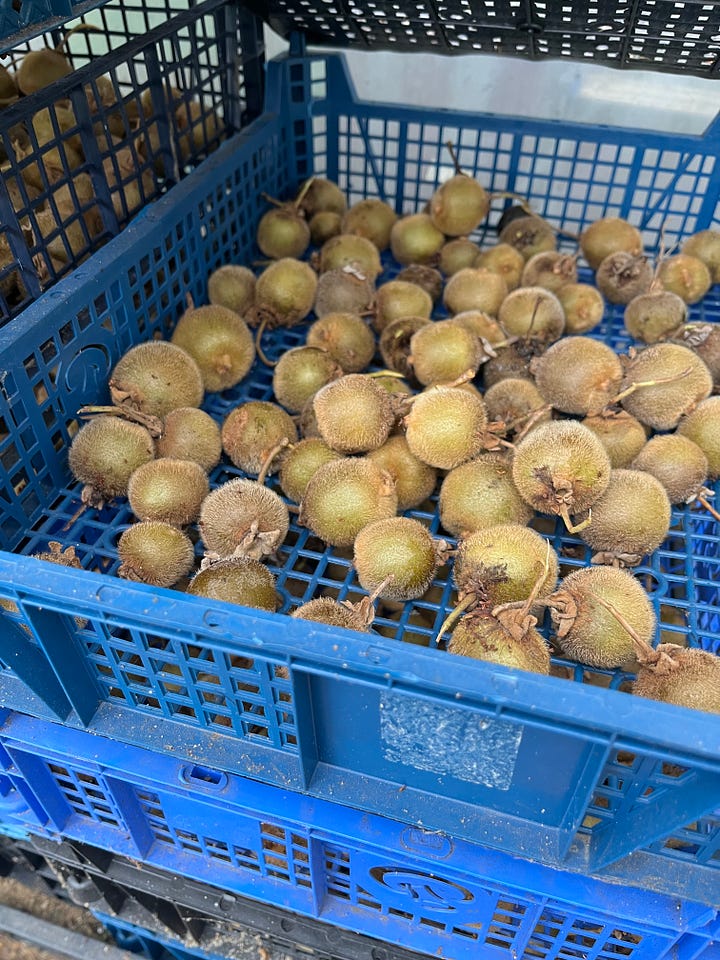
459,205
457,254
621,434
346,337
510,362
324,225
529,235
577,375
622,276
704,340
446,427
343,496
329,611
252,431
283,231
629,520
534,313
241,518
392,382
39,68
482,325
702,427
583,305
168,490
300,373
561,468
190,434
677,462
219,341
677,380
105,453
505,260
299,464
609,235
350,250
155,552
397,558
686,276
284,293
652,316
354,415
155,378
480,494
232,286
549,269
395,340
236,580
483,637
589,632
415,239
686,677
414,480
513,399
475,288
705,246
399,298
344,290
424,276
443,351
322,194
372,219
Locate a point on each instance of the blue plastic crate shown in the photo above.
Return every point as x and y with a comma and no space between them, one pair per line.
348,717
29,18
430,892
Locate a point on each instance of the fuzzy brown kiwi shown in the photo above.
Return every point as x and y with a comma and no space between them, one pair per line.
701,426
345,495
529,235
534,313
299,464
307,421
219,341
397,299
283,231
284,293
354,415
483,637
168,490
156,377
686,677
482,325
586,630
416,239
459,205
583,305
343,290
372,219
155,552
677,462
322,194
686,276
620,433
704,340
300,373
395,340
424,276
443,351
705,246
414,480
679,381
190,434
577,374
514,399
622,276
324,225
510,362
479,494
446,427
505,260
39,68
652,316
397,558
350,250
243,518
609,235
232,286
236,580
329,611
252,430
105,453
561,468
457,254
475,288
549,269
629,520
346,337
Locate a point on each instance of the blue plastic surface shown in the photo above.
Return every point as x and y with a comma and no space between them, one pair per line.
146,943
633,783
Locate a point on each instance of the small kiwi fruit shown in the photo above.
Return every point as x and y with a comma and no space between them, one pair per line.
534,313
686,276
299,464
415,239
609,235
510,362
168,490
475,288
190,434
457,254
701,426
705,246
652,316
620,433
243,518
329,611
395,340
479,494
424,276
482,325
483,637
350,250
583,305
284,293
346,337
577,375
513,399
529,235
300,373
549,269
232,286
372,219
354,415
219,341
323,225
39,68
446,427
236,580
105,453
399,298
321,194
459,205
443,351
622,276
505,260
283,231
704,340
344,290
252,431
155,552
155,378
414,480
397,558
677,462
686,677
672,379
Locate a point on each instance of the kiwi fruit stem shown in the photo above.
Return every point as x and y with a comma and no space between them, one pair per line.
365,608
258,338
643,651
151,423
301,196
647,383
385,373
467,601
267,463
702,494
529,419
569,525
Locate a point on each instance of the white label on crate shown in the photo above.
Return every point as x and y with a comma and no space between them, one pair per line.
449,741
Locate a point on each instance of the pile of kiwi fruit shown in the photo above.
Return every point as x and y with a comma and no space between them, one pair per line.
442,432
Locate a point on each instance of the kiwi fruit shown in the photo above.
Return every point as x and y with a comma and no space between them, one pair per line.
704,340
155,378
549,269
397,558
399,298
354,415
350,250
168,490
329,611
321,195
677,381
686,677
607,236
482,325
414,480
284,293
324,225
629,520
346,337
686,276
423,276
300,462
512,399
232,286
344,290
443,351
105,453
252,431
220,343
677,462
8,88
586,630
395,340
705,245
343,496
300,373
155,552
504,260
621,434
480,494
392,382
484,637
561,468
415,239
190,434
459,205
372,219
307,421
577,375
446,427
236,580
475,288
457,254
40,68
701,426
283,231
534,313
243,518
510,362
528,235
583,305
622,276
652,316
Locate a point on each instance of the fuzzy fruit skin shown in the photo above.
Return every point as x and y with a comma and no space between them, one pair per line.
220,342
343,290
344,496
300,373
155,552
475,288
229,513
529,235
705,245
327,610
561,462
232,286
346,337
281,232
510,363
577,374
459,205
502,563
596,637
481,494
702,426
482,325
621,277
677,462
458,254
300,463
652,316
704,340
609,235
400,547
399,298
686,276
190,434
511,398
286,291
423,276
251,430
415,239
372,219
236,580
156,377
414,480
446,427
106,452
168,490
324,225
485,638
395,340
353,414
347,249
622,436
549,269
321,195
505,260
583,305
443,351
632,517
532,312
695,684
661,406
